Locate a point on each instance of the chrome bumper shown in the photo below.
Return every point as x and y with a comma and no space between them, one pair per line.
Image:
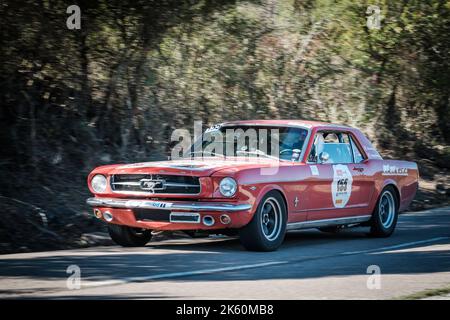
150,204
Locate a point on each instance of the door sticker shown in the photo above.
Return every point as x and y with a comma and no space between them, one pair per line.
341,187
389,170
314,170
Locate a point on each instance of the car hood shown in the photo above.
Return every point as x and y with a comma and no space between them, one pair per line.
199,168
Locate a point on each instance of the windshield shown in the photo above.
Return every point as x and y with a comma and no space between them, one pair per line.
285,143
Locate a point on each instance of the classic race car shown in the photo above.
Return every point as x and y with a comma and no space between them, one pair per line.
322,175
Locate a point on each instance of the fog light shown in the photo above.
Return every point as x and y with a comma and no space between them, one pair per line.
97,213
208,221
108,216
225,219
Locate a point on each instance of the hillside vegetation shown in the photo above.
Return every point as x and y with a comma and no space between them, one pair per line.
115,90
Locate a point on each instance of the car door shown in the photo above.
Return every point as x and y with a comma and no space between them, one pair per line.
337,189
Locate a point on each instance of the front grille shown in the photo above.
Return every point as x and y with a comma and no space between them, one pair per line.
155,184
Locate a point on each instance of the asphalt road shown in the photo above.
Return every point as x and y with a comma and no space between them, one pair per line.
309,265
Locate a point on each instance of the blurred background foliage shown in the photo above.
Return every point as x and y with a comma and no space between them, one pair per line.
115,90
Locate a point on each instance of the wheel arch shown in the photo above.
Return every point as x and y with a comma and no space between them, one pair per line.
396,190
266,190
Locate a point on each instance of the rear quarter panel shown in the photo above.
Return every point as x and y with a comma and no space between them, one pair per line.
404,175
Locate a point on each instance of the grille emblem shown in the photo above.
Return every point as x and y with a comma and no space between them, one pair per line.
151,185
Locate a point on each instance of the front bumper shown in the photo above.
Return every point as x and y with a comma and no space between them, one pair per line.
179,205
158,216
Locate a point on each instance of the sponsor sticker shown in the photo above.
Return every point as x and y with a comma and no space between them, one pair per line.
161,204
314,170
213,128
389,170
341,187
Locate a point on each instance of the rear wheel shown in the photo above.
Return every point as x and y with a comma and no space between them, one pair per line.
129,237
266,230
385,215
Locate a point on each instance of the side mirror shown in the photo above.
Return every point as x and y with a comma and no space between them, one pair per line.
324,157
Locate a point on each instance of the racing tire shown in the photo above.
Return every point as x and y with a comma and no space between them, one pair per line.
267,229
129,237
385,215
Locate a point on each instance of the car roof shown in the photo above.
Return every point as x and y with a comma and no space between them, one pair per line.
302,123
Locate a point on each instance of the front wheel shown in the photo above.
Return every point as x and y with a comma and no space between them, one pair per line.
129,237
266,230
385,215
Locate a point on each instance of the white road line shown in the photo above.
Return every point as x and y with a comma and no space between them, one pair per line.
397,246
179,274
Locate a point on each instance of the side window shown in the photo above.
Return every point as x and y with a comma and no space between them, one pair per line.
357,154
331,147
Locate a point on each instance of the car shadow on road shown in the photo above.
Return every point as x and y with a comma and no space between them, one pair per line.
318,254
221,244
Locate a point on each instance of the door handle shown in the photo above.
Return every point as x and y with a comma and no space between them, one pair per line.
359,169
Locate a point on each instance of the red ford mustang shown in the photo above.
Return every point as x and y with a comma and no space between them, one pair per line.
321,175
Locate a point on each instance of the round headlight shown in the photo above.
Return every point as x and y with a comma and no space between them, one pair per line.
98,183
228,187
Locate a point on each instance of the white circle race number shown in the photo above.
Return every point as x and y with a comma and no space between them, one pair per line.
341,187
